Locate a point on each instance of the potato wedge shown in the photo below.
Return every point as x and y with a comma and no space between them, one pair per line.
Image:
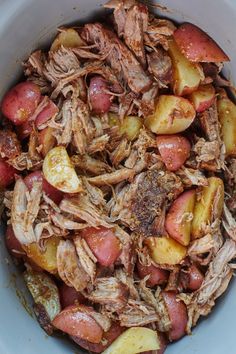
46,298
179,217
134,340
131,126
165,250
69,38
47,140
208,207
178,315
227,117
45,259
197,46
203,98
186,75
172,115
77,320
59,171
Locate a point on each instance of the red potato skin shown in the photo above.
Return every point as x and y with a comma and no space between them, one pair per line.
103,243
7,174
157,276
208,97
163,345
175,213
76,321
52,192
174,150
13,245
115,331
197,46
68,296
47,113
178,315
191,279
47,140
99,99
20,102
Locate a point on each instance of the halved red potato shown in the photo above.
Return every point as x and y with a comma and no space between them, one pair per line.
178,315
172,115
108,337
7,174
165,250
208,207
44,258
131,126
174,150
52,192
179,217
59,171
197,45
47,140
186,75
14,247
203,98
20,102
69,38
163,344
99,99
68,296
227,116
76,321
134,340
103,243
157,276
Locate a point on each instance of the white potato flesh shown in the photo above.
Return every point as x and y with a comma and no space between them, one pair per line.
59,171
172,115
134,340
69,38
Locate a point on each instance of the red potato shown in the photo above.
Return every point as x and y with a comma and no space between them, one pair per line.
47,140
203,98
195,278
172,115
24,130
76,321
197,46
13,245
47,113
186,75
179,217
192,278
174,150
20,102
178,315
157,276
68,296
108,338
7,174
103,243
99,99
163,344
52,192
